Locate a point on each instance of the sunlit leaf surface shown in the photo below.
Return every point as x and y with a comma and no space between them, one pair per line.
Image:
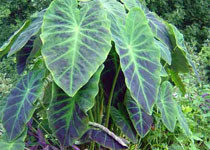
159,29
167,106
75,42
139,59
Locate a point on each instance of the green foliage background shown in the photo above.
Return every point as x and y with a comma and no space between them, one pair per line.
190,16
13,13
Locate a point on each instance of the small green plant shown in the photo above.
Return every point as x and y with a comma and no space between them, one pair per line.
92,73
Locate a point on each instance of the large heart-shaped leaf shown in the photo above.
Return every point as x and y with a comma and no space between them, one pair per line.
167,106
139,59
75,42
159,29
8,44
67,115
33,28
141,120
124,124
19,107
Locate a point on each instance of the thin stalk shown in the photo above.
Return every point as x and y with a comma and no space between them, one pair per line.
91,115
42,104
92,145
45,130
98,110
110,97
101,102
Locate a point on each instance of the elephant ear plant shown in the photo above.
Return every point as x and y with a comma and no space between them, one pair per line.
91,74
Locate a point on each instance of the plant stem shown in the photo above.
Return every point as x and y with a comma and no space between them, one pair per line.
92,146
45,130
91,115
110,97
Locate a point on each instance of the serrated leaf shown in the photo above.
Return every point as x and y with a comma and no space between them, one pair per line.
75,42
182,121
33,28
139,59
7,45
167,106
19,107
67,115
141,121
158,27
124,124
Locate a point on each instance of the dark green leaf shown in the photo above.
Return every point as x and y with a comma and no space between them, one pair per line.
124,124
8,44
141,120
167,106
19,107
31,30
67,115
75,42
178,41
22,56
177,80
106,138
179,61
139,59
